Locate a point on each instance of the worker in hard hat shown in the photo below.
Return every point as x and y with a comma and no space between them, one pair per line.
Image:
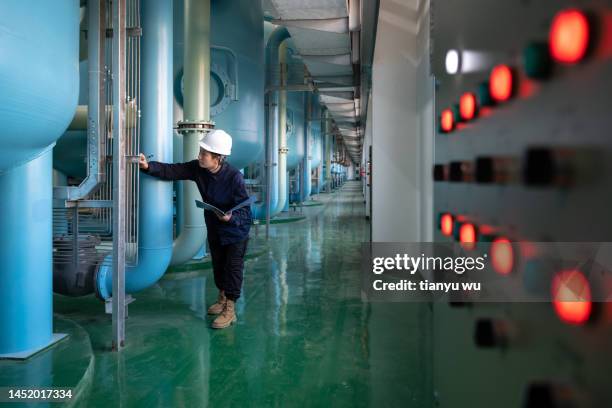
221,185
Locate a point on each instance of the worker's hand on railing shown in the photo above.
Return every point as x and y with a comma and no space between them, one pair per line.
142,162
225,218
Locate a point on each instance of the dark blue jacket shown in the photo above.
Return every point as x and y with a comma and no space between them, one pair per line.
223,189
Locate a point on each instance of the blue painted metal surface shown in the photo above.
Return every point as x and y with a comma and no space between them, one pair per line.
259,210
26,281
39,82
295,137
295,121
306,169
237,39
272,132
155,201
39,78
196,59
238,25
316,152
286,204
316,144
70,153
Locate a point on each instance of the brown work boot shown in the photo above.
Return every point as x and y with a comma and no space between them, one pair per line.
227,316
218,307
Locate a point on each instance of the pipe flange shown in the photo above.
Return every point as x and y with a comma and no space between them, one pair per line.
283,150
185,126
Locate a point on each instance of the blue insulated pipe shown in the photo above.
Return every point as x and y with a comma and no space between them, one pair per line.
196,63
260,211
155,200
272,135
39,80
306,168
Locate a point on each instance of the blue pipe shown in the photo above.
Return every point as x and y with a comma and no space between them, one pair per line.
155,200
285,207
39,82
321,146
295,195
95,96
306,168
318,154
321,183
196,65
276,38
260,210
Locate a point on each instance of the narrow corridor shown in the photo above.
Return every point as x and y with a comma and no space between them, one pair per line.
302,329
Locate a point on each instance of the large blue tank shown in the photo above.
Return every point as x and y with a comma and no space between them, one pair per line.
315,147
237,74
315,136
39,45
70,151
295,129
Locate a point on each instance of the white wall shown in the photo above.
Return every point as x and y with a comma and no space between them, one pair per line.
350,172
401,101
427,126
367,142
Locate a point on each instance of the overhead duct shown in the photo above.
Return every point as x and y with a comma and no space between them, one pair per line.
332,25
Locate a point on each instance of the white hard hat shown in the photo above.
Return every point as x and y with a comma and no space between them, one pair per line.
218,142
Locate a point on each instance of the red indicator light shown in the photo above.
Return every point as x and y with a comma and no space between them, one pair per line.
485,112
446,224
467,106
571,295
569,36
528,88
447,120
502,256
501,83
467,236
485,229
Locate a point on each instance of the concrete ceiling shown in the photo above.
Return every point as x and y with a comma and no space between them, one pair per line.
320,32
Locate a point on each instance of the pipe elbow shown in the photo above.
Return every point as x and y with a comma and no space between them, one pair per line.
276,38
152,264
187,245
260,210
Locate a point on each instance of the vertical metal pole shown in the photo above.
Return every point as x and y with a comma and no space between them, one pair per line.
119,173
75,237
268,198
269,159
282,133
327,153
97,87
307,153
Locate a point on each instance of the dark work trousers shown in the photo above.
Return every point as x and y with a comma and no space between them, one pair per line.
228,264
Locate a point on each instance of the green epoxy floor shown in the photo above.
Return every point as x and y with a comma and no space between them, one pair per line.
303,337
